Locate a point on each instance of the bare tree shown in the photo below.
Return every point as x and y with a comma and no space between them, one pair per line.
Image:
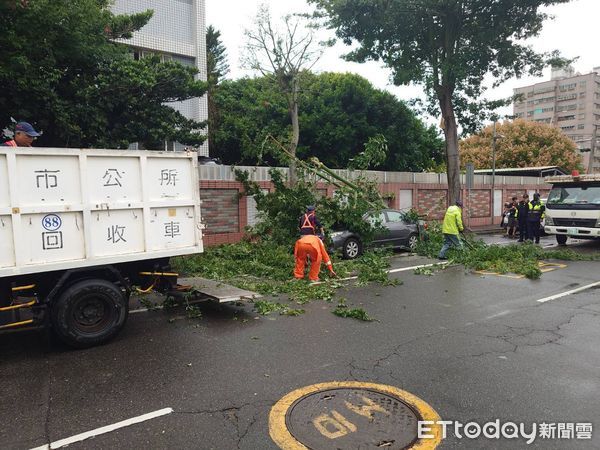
282,54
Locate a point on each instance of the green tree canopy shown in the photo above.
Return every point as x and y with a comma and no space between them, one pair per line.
217,68
448,46
63,71
339,113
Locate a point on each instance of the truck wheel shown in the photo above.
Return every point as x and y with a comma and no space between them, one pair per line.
561,239
89,313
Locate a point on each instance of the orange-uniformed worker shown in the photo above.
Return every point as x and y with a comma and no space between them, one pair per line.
308,222
312,246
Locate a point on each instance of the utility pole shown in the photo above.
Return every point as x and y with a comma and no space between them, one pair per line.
494,137
592,150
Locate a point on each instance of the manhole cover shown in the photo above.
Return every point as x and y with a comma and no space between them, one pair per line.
350,415
338,414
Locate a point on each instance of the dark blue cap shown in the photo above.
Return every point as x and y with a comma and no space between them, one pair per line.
310,208
459,203
26,128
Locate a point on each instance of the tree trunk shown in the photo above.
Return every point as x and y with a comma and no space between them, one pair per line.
295,136
452,156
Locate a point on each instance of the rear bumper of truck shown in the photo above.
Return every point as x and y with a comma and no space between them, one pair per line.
574,232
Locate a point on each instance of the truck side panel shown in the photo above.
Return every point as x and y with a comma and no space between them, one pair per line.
69,208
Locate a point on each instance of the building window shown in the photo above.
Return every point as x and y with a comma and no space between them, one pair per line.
519,115
544,90
544,110
562,98
548,120
530,103
581,126
529,113
545,100
582,84
563,118
582,95
566,108
567,87
581,116
570,127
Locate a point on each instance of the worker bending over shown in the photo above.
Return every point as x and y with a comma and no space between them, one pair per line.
312,246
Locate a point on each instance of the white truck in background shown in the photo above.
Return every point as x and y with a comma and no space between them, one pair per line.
80,228
573,207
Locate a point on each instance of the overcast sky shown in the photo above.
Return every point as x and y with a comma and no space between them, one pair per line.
571,32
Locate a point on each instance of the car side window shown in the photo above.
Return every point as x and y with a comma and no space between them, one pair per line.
379,219
394,216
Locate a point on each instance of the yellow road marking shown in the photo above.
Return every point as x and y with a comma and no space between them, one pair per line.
284,439
544,268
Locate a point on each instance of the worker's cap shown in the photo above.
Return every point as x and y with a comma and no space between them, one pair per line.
26,128
459,203
311,207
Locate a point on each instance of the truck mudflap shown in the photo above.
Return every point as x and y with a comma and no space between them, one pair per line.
215,290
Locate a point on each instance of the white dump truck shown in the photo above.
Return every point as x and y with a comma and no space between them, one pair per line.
573,207
80,228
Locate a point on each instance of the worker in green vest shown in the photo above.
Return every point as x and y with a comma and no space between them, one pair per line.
451,228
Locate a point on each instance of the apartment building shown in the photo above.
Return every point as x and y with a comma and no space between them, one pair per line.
569,101
177,31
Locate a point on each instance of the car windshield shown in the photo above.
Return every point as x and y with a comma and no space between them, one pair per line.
575,195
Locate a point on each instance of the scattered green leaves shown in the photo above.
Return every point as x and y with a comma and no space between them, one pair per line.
522,259
354,313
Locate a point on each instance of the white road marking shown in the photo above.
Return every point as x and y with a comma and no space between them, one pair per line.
572,291
500,314
401,269
104,430
404,269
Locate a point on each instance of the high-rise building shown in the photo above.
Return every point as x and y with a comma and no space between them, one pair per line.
569,101
176,31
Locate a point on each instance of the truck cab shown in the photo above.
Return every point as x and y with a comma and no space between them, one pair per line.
573,207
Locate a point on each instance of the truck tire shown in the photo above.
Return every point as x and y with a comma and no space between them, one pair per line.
561,239
88,313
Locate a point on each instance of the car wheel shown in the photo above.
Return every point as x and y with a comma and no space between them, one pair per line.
413,241
561,239
352,248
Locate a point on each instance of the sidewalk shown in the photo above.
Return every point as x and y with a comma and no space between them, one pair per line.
487,229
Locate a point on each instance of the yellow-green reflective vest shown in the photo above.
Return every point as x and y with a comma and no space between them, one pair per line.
452,221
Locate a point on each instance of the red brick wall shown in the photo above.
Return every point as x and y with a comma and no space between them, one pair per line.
225,214
479,204
220,210
432,202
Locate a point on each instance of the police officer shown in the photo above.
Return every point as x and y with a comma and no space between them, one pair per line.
521,215
534,218
309,224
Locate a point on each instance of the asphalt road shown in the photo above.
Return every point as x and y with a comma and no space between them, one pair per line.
475,348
